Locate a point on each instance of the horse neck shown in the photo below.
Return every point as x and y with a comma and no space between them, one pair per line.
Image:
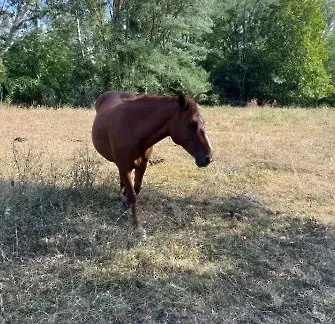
156,114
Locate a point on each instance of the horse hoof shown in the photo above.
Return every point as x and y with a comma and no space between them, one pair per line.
142,234
123,200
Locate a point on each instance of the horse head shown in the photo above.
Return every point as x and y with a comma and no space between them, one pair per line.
187,129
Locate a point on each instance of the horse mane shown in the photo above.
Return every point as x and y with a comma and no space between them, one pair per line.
189,102
118,97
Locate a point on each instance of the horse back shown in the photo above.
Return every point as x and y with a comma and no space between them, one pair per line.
112,98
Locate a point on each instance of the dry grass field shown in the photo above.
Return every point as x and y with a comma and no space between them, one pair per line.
250,239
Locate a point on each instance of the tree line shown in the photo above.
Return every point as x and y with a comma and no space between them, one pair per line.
56,52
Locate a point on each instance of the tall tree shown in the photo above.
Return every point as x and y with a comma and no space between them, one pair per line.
40,70
139,45
298,48
329,10
270,49
237,49
17,18
158,43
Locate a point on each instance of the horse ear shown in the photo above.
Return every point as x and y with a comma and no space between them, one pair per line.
182,102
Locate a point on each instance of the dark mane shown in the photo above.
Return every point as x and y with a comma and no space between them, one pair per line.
190,103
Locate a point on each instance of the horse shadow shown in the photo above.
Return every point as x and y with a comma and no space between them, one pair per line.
43,219
39,219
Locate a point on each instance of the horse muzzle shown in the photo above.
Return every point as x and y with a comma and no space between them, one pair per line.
203,161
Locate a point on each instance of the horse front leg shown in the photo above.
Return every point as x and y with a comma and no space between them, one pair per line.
139,173
125,177
122,193
140,170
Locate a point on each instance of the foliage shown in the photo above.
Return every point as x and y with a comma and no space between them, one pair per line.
237,60
270,49
155,46
299,74
17,19
39,70
2,72
331,59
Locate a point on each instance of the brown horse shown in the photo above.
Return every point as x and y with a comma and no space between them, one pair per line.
126,127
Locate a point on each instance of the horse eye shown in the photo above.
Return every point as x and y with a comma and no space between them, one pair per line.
193,126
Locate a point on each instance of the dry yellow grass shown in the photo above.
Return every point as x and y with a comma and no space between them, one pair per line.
249,239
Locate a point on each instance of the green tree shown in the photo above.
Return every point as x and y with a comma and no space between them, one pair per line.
236,58
329,10
157,44
84,47
331,57
39,70
17,19
297,48
270,49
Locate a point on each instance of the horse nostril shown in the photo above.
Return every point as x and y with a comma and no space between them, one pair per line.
207,160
